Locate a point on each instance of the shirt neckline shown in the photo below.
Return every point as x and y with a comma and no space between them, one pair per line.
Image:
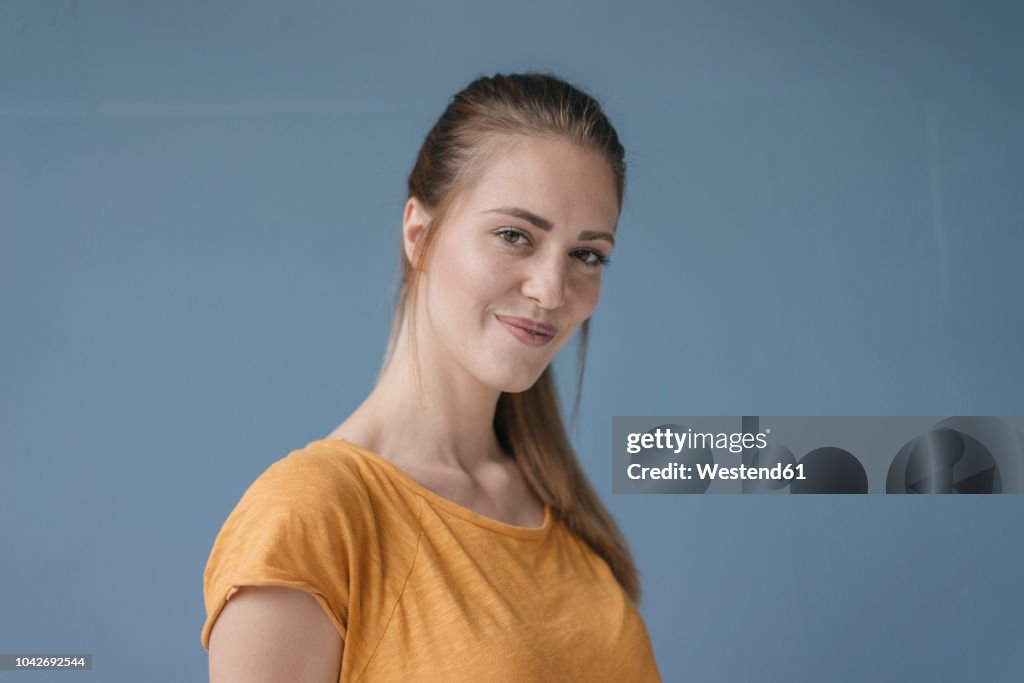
443,503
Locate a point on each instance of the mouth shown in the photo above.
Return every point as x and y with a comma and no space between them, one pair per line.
529,332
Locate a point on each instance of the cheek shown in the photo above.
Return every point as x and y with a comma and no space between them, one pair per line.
586,295
462,277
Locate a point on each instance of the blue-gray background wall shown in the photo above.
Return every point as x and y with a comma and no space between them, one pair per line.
199,215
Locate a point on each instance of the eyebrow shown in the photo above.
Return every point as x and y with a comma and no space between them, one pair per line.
545,224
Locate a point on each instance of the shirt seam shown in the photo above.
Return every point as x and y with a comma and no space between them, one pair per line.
401,593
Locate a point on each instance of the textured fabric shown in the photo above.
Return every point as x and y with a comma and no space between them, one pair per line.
423,589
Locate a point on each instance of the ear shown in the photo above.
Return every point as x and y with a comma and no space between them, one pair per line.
414,225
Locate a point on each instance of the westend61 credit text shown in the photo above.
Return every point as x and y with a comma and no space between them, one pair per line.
677,470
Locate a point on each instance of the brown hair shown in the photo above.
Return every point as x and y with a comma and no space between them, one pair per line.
479,122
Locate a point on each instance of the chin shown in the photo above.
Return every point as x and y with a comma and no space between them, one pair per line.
517,388
513,384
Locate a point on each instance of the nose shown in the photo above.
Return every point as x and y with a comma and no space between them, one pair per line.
545,281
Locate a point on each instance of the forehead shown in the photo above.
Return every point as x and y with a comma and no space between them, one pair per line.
551,177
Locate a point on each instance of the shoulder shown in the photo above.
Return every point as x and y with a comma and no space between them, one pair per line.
326,490
304,513
318,471
301,524
309,487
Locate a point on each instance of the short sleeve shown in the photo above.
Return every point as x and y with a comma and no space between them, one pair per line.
293,527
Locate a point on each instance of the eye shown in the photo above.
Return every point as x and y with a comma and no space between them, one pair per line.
504,233
599,260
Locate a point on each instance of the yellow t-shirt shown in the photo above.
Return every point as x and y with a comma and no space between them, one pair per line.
423,589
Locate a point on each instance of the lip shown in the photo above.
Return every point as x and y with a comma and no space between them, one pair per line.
521,329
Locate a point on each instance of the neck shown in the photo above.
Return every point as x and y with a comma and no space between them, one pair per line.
446,420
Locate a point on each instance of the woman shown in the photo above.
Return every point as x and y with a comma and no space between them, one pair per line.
445,531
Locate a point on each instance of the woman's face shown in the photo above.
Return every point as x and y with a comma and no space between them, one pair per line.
523,246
